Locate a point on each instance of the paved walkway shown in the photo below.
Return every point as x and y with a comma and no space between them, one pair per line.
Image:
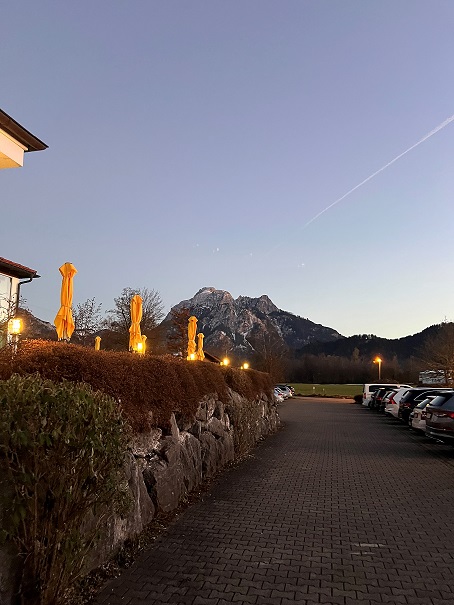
342,506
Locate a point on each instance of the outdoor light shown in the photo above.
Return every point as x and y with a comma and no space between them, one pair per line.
245,366
225,361
378,360
14,326
139,347
191,357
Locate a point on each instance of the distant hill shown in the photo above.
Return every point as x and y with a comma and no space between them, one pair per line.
368,346
36,328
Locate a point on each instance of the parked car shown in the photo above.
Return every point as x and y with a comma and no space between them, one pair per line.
385,399
417,420
392,405
370,388
278,395
412,397
440,418
286,390
377,397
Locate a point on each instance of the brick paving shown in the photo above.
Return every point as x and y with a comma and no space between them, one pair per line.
342,506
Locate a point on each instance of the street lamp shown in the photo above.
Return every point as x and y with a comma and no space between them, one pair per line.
378,360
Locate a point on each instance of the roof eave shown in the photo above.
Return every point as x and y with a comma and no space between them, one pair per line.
21,134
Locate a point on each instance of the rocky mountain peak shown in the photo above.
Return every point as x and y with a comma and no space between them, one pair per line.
243,325
262,304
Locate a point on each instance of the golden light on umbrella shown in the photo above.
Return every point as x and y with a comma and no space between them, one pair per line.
200,353
97,343
135,336
64,323
192,329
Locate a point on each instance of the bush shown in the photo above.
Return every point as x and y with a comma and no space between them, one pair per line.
148,387
358,398
62,449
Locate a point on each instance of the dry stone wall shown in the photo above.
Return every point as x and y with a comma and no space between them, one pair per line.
163,467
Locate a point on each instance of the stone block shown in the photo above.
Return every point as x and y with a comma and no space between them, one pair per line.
216,427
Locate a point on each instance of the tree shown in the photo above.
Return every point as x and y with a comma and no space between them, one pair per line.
87,321
177,337
438,352
271,352
119,318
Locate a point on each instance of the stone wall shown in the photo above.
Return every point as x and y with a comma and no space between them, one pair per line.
162,468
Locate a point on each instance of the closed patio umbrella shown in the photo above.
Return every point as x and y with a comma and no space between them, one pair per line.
64,323
136,317
192,329
200,353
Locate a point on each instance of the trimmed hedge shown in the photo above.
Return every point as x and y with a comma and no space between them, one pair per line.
149,388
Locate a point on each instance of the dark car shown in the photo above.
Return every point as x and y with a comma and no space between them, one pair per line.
412,397
377,397
440,418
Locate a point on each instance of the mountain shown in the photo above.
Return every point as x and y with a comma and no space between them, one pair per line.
368,346
248,325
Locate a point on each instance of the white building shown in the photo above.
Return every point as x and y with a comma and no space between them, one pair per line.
15,140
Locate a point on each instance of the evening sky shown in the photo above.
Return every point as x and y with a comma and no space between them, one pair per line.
191,143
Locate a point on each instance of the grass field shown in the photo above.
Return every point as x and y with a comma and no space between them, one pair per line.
328,390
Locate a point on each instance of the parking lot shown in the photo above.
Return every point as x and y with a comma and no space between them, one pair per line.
341,506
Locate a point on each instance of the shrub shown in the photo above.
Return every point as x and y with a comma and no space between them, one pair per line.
62,449
149,387
358,398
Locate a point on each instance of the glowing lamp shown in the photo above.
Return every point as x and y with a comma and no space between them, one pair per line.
245,366
140,347
378,360
15,326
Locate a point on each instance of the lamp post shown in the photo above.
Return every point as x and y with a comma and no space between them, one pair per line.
378,360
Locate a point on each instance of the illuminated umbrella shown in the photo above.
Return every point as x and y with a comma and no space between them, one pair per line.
200,353
136,317
192,329
97,343
64,323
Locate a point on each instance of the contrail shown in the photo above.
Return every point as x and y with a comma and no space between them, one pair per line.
425,137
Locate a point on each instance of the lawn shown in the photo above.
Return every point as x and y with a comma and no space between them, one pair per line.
328,390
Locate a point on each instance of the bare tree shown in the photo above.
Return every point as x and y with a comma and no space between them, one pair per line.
177,337
270,353
119,318
87,321
438,352
8,308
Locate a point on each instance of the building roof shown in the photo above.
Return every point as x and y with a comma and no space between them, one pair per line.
20,134
7,267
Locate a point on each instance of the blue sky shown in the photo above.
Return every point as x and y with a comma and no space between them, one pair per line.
190,143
